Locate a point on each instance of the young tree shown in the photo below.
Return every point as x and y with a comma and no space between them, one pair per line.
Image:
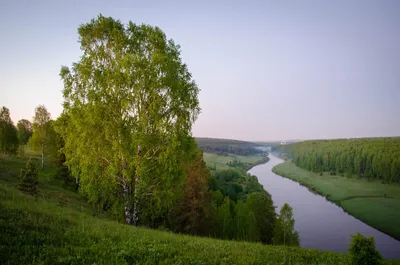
24,131
29,178
8,133
260,203
284,230
130,104
225,220
362,251
246,223
41,126
192,213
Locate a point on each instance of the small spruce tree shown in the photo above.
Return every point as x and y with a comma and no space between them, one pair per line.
29,178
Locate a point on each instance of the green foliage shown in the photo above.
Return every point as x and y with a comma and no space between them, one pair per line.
217,197
29,179
370,158
192,213
362,251
262,206
41,131
8,133
284,233
225,219
246,223
129,103
213,183
24,131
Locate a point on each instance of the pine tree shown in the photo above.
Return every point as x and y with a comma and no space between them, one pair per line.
29,179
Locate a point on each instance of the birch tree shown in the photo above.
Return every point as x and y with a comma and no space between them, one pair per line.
41,125
129,103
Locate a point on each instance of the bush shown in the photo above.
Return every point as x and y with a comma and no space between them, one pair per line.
29,178
362,251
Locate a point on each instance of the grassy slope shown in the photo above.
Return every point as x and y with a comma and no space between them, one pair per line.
363,199
58,227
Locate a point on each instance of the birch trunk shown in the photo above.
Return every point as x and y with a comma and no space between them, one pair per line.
136,192
42,156
128,210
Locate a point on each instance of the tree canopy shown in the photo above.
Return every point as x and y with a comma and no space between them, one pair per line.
130,103
285,234
371,158
24,131
41,130
8,133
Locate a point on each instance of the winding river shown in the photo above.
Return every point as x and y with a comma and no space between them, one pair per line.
320,223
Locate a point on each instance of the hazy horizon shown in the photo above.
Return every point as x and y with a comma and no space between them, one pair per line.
267,71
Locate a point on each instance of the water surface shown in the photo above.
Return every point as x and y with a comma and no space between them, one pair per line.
320,223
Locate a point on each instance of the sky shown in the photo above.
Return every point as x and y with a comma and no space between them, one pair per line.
267,70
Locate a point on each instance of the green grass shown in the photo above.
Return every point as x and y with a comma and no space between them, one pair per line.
58,227
220,161
374,203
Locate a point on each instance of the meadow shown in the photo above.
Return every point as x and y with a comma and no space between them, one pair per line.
371,201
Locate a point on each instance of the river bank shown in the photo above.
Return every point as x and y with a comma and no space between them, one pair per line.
372,202
321,224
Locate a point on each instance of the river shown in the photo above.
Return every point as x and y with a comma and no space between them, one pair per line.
320,223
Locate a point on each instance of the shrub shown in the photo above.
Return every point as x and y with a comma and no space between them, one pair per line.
29,178
362,251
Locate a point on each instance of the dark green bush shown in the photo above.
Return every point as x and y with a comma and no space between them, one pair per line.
362,251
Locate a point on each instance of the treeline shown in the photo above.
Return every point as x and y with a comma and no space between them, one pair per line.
12,137
369,158
227,146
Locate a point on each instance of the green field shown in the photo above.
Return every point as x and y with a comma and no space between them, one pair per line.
374,203
220,161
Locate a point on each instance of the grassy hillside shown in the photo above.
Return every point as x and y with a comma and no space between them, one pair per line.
374,203
58,227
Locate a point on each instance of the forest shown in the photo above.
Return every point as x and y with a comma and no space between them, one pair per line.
375,158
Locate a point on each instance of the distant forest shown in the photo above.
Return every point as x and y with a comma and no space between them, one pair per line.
377,158
228,146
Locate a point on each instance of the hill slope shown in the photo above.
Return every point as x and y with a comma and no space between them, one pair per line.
58,227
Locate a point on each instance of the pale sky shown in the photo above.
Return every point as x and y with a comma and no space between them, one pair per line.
267,70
